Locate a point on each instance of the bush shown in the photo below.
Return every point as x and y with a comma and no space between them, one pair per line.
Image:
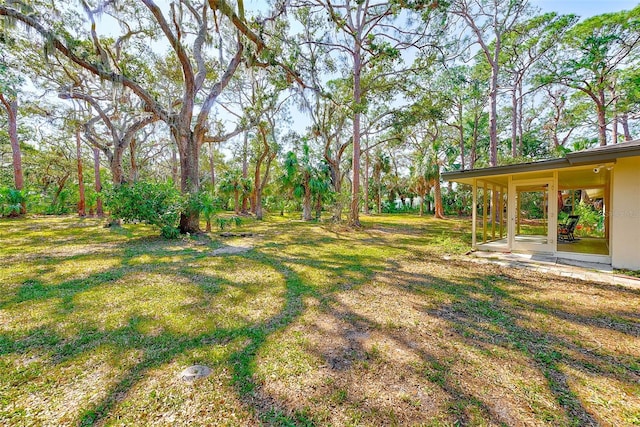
227,222
156,204
60,205
11,201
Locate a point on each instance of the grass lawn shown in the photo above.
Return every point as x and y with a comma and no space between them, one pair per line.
314,325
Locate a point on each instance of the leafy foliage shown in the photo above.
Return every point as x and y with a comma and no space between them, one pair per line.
158,204
226,222
11,201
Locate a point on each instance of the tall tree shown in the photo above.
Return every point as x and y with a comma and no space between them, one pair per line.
489,21
81,193
523,47
592,55
118,129
9,84
186,27
367,33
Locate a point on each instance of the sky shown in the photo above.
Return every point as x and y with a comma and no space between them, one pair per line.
584,8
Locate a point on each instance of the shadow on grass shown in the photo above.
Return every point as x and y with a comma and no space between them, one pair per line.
484,302
475,302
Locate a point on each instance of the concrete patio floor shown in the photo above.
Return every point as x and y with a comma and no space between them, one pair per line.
602,273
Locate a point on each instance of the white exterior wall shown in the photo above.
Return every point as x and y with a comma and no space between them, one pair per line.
625,215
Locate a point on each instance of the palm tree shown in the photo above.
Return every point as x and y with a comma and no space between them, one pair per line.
232,182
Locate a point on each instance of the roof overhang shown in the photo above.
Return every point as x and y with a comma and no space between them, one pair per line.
606,155
466,177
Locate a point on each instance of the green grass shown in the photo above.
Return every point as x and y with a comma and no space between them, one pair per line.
315,325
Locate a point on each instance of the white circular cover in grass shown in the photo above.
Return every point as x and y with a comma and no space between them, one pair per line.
195,372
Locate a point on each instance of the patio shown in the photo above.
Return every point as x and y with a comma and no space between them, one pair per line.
582,245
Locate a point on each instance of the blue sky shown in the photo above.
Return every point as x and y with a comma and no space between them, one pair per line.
584,8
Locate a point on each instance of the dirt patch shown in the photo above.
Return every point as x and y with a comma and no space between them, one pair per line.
232,249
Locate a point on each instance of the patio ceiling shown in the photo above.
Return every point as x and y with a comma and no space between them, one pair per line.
584,178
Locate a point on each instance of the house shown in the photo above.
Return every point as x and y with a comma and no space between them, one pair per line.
518,208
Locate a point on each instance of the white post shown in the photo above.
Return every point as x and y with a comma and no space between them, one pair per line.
474,209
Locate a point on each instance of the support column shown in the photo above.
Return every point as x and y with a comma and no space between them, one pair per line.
474,214
518,206
493,211
501,211
484,212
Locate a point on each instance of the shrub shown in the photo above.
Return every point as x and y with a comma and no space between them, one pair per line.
591,221
11,201
157,204
209,207
60,205
227,222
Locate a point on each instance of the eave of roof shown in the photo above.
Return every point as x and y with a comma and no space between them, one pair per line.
606,153
507,169
597,155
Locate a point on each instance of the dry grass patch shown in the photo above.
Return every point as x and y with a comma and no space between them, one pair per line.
316,324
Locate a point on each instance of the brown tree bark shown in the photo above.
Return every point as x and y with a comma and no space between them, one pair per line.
366,179
133,172
82,200
97,181
624,119
11,105
602,119
354,215
437,195
245,168
259,181
514,123
212,168
174,165
115,163
461,133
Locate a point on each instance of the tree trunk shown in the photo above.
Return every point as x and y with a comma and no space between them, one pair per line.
245,168
82,200
520,117
258,181
174,165
514,123
461,131
474,142
306,201
366,178
117,174
258,210
624,119
12,112
614,122
602,120
354,219
318,207
379,194
189,180
212,169
61,182
437,196
97,182
336,180
133,173
493,115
